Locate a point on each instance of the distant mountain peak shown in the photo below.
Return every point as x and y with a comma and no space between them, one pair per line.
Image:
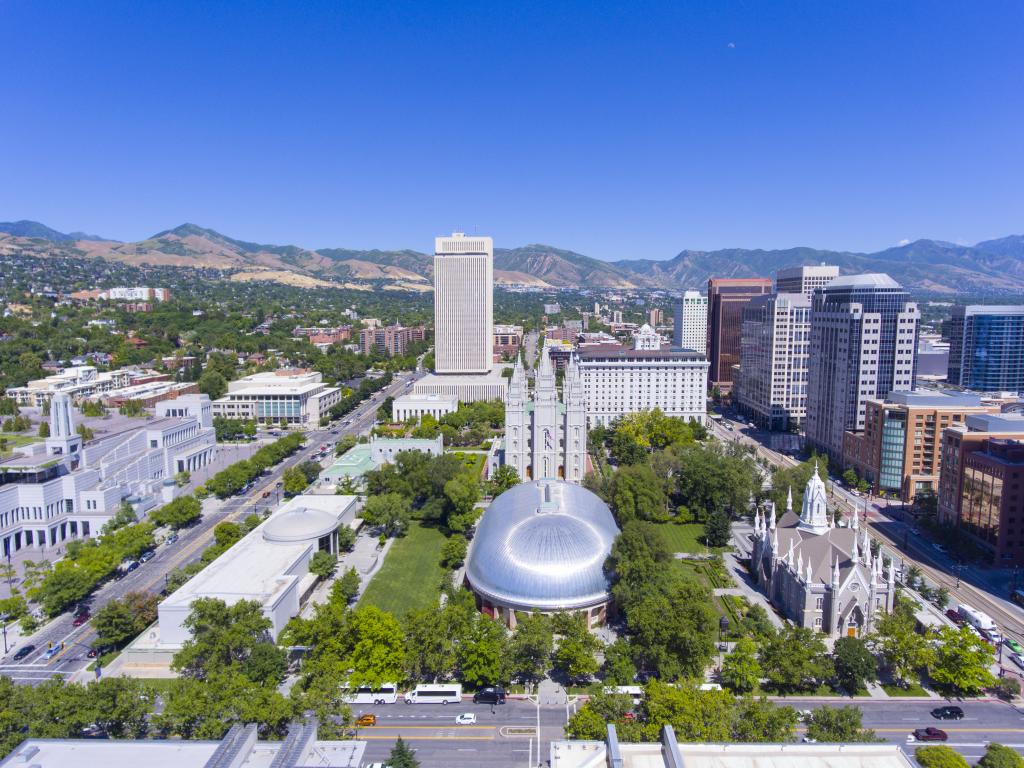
35,229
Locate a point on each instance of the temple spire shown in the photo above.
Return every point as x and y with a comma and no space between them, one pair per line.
835,571
771,518
789,499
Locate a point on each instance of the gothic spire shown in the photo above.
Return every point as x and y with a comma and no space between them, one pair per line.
835,571
789,498
771,518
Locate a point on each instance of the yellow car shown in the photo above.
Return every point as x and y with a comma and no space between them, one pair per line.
365,720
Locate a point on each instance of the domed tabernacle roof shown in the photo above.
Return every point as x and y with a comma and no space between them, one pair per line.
543,545
299,524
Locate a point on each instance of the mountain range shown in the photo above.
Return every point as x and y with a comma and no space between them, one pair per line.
933,266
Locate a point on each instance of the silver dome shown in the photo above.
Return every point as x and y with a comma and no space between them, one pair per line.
543,545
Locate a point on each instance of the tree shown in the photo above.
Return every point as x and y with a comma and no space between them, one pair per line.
122,706
311,471
718,528
225,640
294,481
1007,688
627,449
741,671
462,492
758,720
940,756
529,651
838,724
453,552
481,652
212,383
903,650
504,477
638,494
1000,756
377,652
574,657
179,513
402,756
323,564
120,620
850,478
195,709
619,668
854,663
125,515
347,587
389,511
44,429
346,538
795,659
961,661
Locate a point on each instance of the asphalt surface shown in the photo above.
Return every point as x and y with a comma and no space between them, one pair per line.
151,576
503,735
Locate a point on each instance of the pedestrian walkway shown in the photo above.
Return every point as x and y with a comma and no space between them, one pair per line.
747,589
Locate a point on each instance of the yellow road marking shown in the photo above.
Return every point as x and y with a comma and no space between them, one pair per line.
436,727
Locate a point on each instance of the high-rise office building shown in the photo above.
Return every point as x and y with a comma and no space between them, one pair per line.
805,279
863,346
727,297
986,348
691,322
772,386
463,303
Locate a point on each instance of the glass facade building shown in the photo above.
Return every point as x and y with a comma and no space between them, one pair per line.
986,348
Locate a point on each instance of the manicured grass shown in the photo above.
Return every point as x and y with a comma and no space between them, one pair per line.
913,690
472,461
16,440
411,575
686,537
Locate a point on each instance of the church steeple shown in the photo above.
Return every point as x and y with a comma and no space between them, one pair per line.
814,514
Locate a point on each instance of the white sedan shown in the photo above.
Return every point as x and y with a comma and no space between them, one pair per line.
466,718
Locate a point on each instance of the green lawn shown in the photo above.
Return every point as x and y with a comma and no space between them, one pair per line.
16,440
685,537
913,690
473,461
411,575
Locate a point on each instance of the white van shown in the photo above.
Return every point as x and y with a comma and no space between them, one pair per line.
386,694
635,692
435,693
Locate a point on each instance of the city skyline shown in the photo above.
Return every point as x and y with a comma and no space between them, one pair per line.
608,132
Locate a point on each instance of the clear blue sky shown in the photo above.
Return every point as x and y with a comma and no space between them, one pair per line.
620,130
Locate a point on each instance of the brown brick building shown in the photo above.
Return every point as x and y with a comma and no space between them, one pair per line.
727,297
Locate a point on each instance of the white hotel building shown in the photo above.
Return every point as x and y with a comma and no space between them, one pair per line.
618,380
691,322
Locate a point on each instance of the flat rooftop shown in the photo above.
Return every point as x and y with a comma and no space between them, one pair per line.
924,398
1009,423
618,352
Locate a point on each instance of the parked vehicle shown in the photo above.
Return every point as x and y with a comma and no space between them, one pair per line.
1018,659
930,734
366,720
145,557
80,619
948,713
127,566
171,539
434,693
954,616
466,718
386,694
1013,645
977,619
494,695
24,652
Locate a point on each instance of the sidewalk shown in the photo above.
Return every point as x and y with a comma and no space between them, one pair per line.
745,588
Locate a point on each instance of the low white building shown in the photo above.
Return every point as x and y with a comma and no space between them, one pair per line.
669,753
270,565
240,748
467,388
61,489
77,381
293,396
618,380
415,406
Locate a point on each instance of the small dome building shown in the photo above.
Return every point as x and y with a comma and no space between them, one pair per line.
542,546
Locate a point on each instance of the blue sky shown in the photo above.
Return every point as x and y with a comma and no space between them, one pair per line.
620,130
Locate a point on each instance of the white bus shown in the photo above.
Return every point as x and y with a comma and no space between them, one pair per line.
635,692
386,694
435,693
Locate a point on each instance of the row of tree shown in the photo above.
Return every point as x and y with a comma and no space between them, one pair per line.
231,480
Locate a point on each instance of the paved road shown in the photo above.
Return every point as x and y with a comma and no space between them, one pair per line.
151,576
503,735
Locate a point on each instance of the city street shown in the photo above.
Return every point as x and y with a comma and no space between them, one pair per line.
151,576
503,735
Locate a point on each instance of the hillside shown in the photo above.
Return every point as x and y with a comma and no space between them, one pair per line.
991,267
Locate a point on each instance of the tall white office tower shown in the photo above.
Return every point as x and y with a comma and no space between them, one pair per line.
805,279
463,303
691,322
863,346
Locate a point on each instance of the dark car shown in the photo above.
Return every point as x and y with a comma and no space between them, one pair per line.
171,539
955,617
96,651
489,696
930,734
948,713
23,652
81,618
146,556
